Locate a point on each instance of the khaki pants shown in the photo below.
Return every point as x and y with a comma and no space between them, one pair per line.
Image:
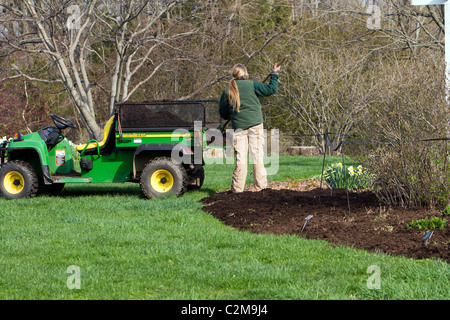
249,141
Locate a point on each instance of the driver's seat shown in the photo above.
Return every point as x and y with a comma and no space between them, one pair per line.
108,135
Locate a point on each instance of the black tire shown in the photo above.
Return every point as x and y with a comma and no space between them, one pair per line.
196,179
18,180
163,177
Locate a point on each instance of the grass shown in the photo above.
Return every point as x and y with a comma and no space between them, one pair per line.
127,247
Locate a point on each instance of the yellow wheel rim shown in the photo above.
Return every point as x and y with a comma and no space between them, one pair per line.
13,182
161,181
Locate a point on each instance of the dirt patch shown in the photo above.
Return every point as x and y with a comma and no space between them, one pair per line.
369,225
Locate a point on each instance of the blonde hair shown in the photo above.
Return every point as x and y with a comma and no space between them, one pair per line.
238,71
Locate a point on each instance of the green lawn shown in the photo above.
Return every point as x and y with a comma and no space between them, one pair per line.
127,247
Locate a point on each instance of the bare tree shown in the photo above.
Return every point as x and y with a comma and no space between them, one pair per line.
103,51
65,49
68,34
325,93
241,31
396,24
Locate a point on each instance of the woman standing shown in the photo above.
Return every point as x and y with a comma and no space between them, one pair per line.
240,104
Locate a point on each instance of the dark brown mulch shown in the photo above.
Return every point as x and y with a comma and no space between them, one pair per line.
368,225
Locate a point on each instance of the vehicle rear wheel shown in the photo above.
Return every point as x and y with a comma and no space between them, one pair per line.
18,180
161,177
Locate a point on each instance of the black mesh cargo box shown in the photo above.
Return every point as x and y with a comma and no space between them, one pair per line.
161,115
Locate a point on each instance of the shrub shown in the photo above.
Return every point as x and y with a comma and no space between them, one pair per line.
399,124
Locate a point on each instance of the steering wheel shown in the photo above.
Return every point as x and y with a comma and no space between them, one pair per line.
62,123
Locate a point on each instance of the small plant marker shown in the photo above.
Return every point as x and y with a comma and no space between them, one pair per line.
306,221
427,237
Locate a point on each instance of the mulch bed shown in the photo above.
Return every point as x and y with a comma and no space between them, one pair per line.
368,225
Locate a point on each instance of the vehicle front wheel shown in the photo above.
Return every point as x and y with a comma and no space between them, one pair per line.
161,177
18,180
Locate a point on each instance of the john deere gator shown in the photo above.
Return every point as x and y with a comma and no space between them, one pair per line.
157,144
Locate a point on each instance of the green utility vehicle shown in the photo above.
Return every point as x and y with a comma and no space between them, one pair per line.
157,144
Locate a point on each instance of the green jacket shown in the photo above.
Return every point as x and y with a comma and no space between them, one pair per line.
250,113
